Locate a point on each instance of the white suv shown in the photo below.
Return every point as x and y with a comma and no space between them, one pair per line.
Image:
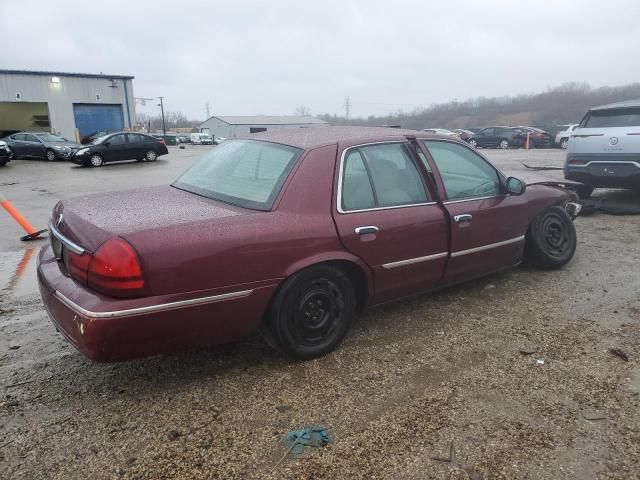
562,137
604,151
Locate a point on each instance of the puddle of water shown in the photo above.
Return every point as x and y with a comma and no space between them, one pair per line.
18,272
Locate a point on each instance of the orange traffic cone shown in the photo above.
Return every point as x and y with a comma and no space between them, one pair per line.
15,214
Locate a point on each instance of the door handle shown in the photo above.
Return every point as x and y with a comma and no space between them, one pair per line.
365,230
465,217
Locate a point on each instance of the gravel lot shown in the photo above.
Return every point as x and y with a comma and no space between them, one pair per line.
445,386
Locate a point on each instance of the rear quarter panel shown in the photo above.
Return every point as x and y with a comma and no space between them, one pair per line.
257,249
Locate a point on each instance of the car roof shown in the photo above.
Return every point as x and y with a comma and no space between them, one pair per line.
625,104
318,136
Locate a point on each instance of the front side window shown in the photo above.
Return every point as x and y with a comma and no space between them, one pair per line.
464,173
117,140
377,176
241,172
31,138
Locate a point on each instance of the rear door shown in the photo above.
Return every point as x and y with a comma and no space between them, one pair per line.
136,146
33,146
386,216
487,226
18,144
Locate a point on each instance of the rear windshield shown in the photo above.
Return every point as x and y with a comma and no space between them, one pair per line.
627,117
246,173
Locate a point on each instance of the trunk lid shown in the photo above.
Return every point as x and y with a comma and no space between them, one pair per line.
92,219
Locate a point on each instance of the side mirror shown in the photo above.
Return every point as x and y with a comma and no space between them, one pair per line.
515,186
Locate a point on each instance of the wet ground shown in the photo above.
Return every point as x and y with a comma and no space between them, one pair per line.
507,377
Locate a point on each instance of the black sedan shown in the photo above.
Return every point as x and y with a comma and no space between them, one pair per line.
497,137
41,145
120,146
5,153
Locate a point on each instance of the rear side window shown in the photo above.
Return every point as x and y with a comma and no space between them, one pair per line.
627,117
377,176
135,138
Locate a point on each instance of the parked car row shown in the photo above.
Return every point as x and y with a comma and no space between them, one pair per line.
501,136
105,147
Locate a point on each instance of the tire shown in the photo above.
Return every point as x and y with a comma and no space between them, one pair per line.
151,156
564,143
551,239
50,155
473,143
311,312
504,144
96,160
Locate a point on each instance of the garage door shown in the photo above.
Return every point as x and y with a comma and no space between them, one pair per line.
92,118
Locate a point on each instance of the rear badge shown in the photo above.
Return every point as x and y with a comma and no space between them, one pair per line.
613,141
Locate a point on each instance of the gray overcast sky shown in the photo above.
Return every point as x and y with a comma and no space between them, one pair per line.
268,57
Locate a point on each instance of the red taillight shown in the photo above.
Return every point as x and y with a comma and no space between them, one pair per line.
577,162
77,265
115,270
162,141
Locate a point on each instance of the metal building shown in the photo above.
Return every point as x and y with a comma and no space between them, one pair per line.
70,104
237,126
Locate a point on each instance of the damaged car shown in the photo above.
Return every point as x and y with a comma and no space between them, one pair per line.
291,232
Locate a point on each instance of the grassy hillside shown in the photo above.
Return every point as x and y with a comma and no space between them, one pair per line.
558,105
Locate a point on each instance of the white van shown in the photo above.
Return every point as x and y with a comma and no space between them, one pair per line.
201,139
604,151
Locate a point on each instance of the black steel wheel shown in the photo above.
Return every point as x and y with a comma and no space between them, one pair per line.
551,239
311,312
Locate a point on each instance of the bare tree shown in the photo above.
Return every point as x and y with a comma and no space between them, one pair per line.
302,111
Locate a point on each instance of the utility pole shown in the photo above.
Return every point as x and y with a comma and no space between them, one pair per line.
347,106
207,109
161,105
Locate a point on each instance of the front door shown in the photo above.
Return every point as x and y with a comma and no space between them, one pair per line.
487,226
385,216
116,148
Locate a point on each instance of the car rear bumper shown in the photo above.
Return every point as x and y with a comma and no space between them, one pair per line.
107,329
606,174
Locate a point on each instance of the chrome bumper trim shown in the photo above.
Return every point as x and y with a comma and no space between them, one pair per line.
411,261
487,247
152,308
74,247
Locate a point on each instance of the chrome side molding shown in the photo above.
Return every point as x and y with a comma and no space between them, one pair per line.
152,308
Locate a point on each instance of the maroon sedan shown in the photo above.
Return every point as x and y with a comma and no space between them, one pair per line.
290,232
